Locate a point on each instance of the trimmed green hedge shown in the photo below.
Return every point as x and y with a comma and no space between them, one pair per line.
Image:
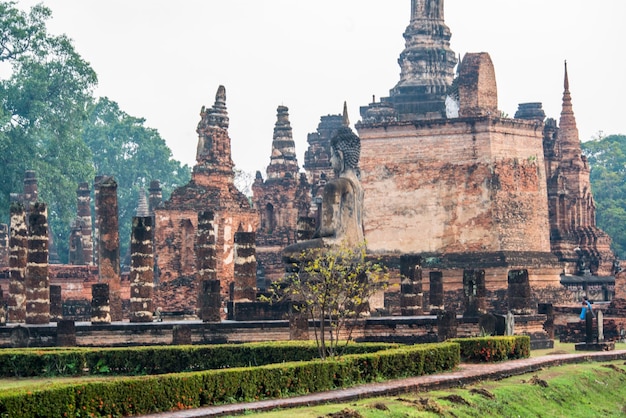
148,394
492,349
159,359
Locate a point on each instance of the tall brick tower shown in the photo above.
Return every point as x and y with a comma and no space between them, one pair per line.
176,220
574,236
280,199
427,65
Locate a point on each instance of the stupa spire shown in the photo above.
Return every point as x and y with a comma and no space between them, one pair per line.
426,64
568,131
213,150
283,161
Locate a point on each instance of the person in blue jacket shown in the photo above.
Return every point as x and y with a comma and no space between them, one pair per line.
586,307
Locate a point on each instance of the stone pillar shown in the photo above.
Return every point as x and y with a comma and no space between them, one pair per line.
100,304
446,325
474,292
600,321
519,293
245,267
411,296
18,244
141,269
109,244
37,282
56,304
66,333
83,213
435,298
4,245
589,337
210,301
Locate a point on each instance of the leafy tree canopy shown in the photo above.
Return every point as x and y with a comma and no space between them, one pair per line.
133,154
51,123
607,158
42,108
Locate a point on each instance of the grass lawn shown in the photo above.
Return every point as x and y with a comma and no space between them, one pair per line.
581,390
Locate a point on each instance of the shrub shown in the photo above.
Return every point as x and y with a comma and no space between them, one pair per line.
148,394
492,349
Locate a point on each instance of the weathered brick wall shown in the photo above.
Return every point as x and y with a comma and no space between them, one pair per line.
174,239
454,186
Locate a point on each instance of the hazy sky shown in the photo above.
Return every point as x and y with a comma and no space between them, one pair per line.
163,59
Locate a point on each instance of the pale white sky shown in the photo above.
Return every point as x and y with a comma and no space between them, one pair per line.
163,60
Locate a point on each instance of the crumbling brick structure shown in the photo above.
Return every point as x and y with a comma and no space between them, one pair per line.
317,157
281,199
576,240
176,220
465,190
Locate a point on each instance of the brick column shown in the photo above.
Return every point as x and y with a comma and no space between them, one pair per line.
181,335
100,305
83,213
37,282
298,323
475,292
155,196
96,231
446,325
3,316
519,293
435,297
245,267
109,244
56,304
66,333
411,296
18,246
209,299
4,244
141,270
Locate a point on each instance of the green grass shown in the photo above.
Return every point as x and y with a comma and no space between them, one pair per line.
582,390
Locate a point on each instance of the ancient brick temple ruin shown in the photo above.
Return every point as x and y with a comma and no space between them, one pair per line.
176,220
473,211
281,199
471,193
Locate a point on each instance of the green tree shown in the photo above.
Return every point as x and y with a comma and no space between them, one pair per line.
42,109
607,159
123,147
332,286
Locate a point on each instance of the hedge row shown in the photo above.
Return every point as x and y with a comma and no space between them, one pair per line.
159,359
491,349
148,394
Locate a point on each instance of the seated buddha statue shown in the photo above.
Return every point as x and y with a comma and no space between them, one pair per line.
341,217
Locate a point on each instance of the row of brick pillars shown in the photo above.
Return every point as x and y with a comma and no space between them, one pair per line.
519,293
31,299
